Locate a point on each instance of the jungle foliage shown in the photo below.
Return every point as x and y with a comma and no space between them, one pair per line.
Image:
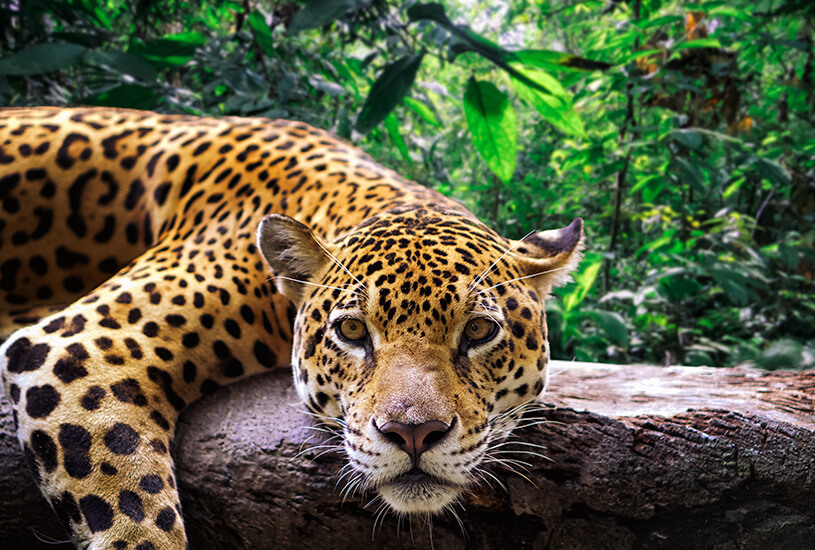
681,132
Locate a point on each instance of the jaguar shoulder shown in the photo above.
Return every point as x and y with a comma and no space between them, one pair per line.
135,258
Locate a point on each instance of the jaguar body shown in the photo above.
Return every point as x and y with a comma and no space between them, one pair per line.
148,259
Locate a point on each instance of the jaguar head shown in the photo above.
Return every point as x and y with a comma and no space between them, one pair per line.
420,333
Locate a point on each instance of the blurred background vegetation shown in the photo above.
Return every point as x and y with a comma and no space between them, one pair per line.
683,134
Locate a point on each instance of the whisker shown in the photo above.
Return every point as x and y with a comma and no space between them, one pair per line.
532,422
312,284
449,508
339,263
524,277
379,518
484,472
47,539
517,452
522,443
483,274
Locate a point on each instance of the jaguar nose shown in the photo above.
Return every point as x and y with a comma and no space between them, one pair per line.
415,439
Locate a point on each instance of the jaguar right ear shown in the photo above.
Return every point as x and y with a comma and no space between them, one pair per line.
295,254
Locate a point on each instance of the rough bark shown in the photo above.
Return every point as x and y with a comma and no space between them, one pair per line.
639,457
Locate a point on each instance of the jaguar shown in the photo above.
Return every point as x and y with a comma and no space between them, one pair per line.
147,259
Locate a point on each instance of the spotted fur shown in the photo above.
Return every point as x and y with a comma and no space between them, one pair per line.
133,280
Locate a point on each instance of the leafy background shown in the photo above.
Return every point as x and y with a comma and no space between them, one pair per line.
681,132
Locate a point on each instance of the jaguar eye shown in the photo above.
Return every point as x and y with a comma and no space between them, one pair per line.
353,329
480,330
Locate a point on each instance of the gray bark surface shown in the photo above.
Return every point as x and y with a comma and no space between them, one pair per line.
638,457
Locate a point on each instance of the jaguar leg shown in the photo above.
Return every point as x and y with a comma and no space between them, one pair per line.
97,389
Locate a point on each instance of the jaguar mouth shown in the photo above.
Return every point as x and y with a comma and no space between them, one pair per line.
416,491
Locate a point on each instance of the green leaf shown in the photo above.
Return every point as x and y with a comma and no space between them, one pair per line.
772,171
42,58
585,279
698,43
319,13
425,112
733,284
491,121
545,81
262,32
471,42
557,110
732,11
782,354
689,138
664,20
130,96
651,192
392,126
431,10
690,173
644,181
613,325
122,63
698,358
677,288
551,60
733,187
789,255
390,87
172,50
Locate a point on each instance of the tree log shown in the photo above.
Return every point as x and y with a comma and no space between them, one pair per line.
638,457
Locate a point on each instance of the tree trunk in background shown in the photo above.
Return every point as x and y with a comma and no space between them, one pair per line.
641,457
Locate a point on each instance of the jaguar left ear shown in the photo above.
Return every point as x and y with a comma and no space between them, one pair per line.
551,254
293,251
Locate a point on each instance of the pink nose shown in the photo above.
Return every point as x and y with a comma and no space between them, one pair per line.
414,439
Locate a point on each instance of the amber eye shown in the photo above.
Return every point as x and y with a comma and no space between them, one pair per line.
479,330
353,329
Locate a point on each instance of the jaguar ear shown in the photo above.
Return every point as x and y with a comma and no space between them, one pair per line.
293,251
552,254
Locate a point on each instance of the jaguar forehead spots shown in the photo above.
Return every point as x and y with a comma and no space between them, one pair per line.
147,259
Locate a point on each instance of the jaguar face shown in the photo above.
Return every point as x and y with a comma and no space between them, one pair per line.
420,333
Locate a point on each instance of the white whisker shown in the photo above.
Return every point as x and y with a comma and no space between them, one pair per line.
339,263
313,284
483,274
524,277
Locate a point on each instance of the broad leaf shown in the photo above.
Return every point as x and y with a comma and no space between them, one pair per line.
659,21
691,174
644,181
425,112
172,51
131,96
319,13
42,58
557,110
262,32
772,171
388,90
689,138
491,121
122,63
550,60
733,284
585,280
392,126
431,10
470,41
699,43
613,325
